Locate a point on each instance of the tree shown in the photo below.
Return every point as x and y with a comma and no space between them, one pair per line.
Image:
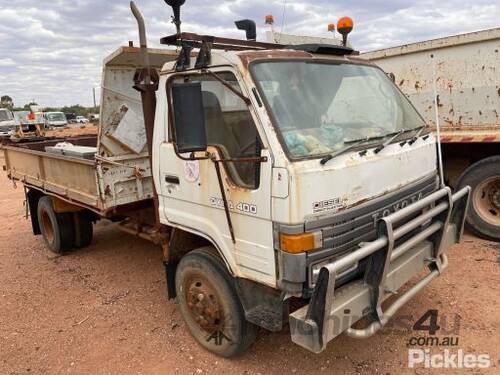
27,107
6,102
78,110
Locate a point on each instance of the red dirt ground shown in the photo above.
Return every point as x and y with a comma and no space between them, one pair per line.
103,310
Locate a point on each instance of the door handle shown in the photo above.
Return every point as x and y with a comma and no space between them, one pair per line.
172,179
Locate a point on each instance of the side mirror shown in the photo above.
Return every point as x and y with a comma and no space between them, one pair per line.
189,117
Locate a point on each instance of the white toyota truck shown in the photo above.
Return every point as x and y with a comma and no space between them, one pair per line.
266,173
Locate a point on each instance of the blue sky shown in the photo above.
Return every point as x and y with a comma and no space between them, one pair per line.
51,51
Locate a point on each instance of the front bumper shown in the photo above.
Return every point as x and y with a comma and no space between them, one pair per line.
393,259
6,131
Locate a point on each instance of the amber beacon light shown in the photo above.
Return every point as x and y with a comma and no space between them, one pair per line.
344,27
269,19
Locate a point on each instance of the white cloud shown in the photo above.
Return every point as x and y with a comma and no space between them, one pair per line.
51,50
7,62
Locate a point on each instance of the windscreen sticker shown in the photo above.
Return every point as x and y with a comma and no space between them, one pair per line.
191,170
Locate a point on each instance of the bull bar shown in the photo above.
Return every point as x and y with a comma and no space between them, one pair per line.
332,311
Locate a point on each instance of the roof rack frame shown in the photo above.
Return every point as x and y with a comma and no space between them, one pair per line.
206,43
228,44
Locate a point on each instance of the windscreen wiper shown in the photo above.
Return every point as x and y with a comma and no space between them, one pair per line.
415,137
395,135
389,141
352,144
356,142
229,86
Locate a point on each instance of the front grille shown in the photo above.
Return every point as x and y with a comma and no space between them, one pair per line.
342,232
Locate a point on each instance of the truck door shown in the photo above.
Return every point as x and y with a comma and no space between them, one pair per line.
190,191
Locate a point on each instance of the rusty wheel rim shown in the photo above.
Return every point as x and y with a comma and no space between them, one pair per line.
486,200
204,304
47,226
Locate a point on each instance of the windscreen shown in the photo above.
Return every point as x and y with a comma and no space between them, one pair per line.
318,107
5,116
21,115
56,116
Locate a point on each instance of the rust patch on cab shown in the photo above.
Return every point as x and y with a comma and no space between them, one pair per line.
248,57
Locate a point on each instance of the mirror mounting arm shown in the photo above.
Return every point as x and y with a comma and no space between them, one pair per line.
224,82
224,199
213,158
192,156
253,159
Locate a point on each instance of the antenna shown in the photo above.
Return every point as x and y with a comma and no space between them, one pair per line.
283,20
176,7
438,127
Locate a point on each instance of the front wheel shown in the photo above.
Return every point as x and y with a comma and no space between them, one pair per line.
483,217
210,305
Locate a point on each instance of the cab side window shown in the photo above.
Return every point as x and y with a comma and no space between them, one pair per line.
229,126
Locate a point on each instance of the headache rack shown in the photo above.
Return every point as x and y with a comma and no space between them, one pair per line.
228,44
206,43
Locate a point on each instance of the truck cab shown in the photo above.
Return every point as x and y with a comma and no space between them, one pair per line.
339,102
311,175
55,119
7,122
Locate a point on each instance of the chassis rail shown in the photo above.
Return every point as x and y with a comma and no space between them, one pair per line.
332,311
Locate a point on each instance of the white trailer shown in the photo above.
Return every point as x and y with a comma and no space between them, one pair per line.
467,75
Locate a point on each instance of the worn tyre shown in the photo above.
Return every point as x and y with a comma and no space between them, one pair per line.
83,229
57,229
483,217
210,305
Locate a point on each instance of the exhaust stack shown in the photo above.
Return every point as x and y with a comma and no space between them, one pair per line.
249,27
142,39
146,82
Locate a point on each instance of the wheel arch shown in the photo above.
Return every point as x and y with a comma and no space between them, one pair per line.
183,241
59,204
32,198
478,220
458,157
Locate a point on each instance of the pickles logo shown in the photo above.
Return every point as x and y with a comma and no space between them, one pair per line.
447,359
420,355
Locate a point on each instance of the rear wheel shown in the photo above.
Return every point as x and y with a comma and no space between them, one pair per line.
57,229
210,306
483,217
